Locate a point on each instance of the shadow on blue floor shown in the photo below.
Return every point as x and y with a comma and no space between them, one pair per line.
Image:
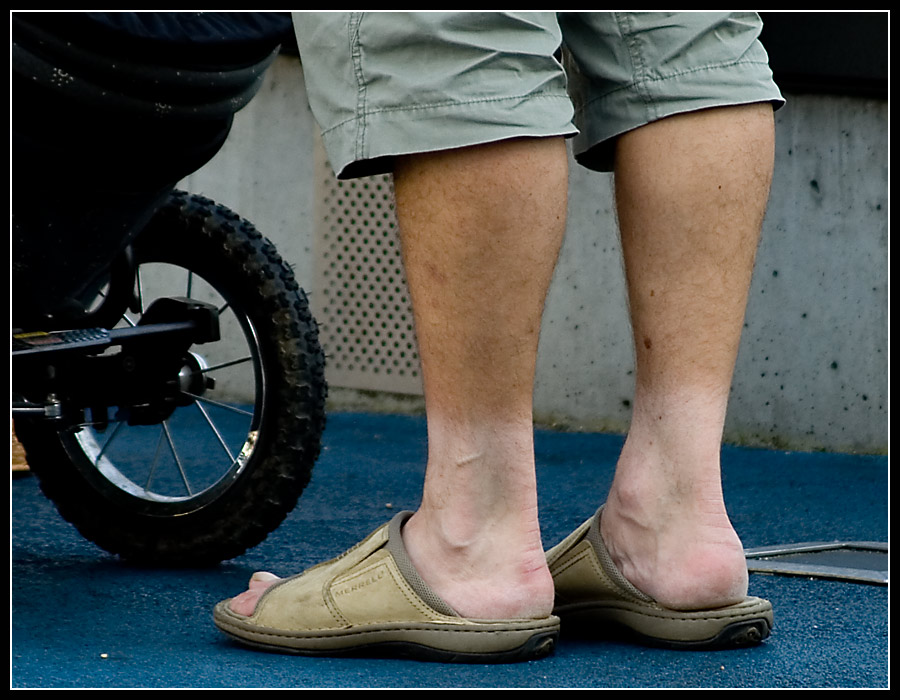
80,618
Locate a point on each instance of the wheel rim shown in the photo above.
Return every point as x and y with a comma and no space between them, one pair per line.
193,456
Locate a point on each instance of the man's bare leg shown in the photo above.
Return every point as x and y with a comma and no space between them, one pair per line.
481,229
691,193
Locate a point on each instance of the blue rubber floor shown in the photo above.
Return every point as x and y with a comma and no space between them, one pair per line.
82,619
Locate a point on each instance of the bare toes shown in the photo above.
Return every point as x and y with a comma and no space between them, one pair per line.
245,603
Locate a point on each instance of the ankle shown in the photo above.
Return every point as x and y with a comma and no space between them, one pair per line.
683,558
495,573
667,529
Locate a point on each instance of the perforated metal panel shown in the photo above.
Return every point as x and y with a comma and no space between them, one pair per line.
361,299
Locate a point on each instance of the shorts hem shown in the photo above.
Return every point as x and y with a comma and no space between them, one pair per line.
366,145
606,117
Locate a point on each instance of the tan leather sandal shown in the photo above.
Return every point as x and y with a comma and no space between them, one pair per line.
593,597
370,601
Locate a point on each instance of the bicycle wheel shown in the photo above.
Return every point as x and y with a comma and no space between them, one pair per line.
213,477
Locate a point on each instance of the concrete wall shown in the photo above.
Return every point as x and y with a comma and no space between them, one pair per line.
812,370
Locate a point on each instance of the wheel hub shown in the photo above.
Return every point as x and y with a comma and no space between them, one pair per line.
192,377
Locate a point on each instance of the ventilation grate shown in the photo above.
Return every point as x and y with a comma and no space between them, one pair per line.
361,299
862,562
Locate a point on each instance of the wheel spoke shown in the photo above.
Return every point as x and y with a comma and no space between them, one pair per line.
152,473
227,407
222,365
215,430
109,440
178,463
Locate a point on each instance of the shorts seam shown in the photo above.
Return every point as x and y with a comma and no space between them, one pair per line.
356,56
639,67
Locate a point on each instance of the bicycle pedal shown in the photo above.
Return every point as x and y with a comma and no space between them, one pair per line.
37,341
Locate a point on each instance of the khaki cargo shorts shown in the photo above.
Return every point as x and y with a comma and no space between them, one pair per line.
383,84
